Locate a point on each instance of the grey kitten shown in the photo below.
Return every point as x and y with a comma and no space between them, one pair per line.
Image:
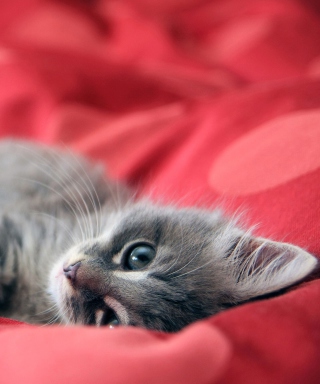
77,248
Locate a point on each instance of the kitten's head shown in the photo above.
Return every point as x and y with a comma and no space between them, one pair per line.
163,268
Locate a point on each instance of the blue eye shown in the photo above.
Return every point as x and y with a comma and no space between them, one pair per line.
109,319
139,257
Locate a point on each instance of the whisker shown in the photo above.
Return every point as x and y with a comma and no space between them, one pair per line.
232,258
60,222
91,192
180,252
62,182
52,320
188,263
54,306
62,197
85,214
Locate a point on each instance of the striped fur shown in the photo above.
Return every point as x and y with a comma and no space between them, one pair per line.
57,210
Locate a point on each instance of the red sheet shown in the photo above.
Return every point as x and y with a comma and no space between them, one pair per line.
193,101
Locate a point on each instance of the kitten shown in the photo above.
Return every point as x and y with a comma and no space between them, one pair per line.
76,248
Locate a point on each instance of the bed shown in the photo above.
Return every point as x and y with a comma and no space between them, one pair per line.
196,102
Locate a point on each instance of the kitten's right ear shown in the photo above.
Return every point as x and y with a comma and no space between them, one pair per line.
261,266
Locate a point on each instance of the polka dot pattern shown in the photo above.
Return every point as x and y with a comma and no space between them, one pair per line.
280,150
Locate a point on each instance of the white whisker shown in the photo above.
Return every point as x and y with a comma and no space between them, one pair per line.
92,195
62,182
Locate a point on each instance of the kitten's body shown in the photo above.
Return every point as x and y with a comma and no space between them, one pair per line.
67,233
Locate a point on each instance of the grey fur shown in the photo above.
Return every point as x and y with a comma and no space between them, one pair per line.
56,209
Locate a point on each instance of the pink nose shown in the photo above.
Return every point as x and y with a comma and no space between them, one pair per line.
71,271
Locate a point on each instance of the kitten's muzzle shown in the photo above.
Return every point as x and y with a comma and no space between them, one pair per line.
70,271
81,275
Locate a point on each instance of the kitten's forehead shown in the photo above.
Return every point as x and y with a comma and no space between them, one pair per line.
138,224
155,223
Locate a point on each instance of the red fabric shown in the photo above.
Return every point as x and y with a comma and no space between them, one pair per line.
206,102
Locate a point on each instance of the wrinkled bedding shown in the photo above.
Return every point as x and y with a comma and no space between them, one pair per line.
196,102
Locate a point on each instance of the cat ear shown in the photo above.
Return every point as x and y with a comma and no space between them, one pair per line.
262,266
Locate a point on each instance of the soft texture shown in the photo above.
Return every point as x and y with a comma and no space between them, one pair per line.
197,102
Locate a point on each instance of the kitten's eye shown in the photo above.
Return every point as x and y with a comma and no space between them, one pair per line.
113,323
109,319
139,257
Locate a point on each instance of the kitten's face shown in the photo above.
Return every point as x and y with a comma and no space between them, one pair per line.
162,269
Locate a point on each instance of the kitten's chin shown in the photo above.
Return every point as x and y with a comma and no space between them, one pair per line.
55,281
57,289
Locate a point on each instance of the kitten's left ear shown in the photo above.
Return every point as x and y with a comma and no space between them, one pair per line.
262,266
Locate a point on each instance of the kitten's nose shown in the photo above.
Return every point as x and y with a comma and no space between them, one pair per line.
71,270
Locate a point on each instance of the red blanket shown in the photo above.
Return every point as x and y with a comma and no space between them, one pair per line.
193,101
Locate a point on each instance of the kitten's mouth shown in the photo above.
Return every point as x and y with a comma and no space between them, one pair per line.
106,317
